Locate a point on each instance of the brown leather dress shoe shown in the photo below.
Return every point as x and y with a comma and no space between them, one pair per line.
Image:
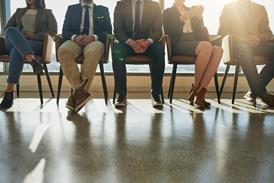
70,104
81,97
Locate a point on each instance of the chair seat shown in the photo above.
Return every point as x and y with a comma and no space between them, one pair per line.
138,59
6,58
182,60
80,60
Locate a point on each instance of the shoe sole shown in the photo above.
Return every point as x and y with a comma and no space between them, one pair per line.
157,104
120,105
81,105
70,107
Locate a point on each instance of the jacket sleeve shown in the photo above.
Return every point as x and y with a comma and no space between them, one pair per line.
12,21
157,30
265,31
102,36
172,25
224,23
67,31
119,26
51,25
224,28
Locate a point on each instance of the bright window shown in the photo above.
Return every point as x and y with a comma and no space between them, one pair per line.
211,18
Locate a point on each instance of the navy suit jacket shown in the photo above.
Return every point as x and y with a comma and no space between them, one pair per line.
101,22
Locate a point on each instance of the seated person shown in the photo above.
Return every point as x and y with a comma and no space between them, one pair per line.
184,27
248,24
138,32
85,31
24,34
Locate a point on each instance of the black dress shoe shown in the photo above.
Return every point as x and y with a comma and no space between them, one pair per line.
156,100
250,98
37,66
121,101
7,101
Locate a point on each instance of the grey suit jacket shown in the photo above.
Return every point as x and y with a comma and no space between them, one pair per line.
45,23
151,25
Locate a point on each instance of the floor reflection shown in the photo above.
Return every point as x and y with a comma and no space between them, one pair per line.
173,144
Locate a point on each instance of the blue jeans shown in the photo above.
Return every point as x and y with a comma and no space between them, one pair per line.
18,47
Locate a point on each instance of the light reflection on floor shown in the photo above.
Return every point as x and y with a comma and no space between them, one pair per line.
178,143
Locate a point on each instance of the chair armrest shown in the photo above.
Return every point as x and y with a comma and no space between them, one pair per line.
58,41
168,45
109,42
217,40
227,45
47,48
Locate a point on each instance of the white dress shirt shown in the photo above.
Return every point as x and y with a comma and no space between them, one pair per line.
91,28
141,16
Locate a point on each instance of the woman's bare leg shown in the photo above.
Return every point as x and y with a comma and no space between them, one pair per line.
203,52
217,53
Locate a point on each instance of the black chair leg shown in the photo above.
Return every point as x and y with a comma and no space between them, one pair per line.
40,88
17,90
172,82
224,79
162,96
104,83
217,87
49,81
237,69
59,85
114,95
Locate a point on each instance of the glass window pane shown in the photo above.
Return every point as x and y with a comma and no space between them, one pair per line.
211,18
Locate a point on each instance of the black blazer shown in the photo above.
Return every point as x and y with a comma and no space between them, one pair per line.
45,23
151,25
101,22
173,26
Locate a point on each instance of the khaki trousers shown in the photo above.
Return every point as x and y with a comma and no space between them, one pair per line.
92,53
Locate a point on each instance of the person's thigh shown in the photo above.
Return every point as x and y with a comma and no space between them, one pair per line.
155,49
70,47
36,47
120,51
265,49
95,47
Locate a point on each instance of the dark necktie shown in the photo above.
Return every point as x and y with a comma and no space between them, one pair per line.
137,18
86,21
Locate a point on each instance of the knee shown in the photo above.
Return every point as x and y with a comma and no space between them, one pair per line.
218,50
63,51
157,48
11,31
118,52
97,48
204,47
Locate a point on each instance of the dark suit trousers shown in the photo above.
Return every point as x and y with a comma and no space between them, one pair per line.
257,82
121,50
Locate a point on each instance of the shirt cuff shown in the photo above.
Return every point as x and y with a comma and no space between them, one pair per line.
128,40
95,37
150,40
72,37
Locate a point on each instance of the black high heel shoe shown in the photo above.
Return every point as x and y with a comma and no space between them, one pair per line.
7,101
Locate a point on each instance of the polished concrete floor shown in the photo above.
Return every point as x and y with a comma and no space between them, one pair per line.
178,143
